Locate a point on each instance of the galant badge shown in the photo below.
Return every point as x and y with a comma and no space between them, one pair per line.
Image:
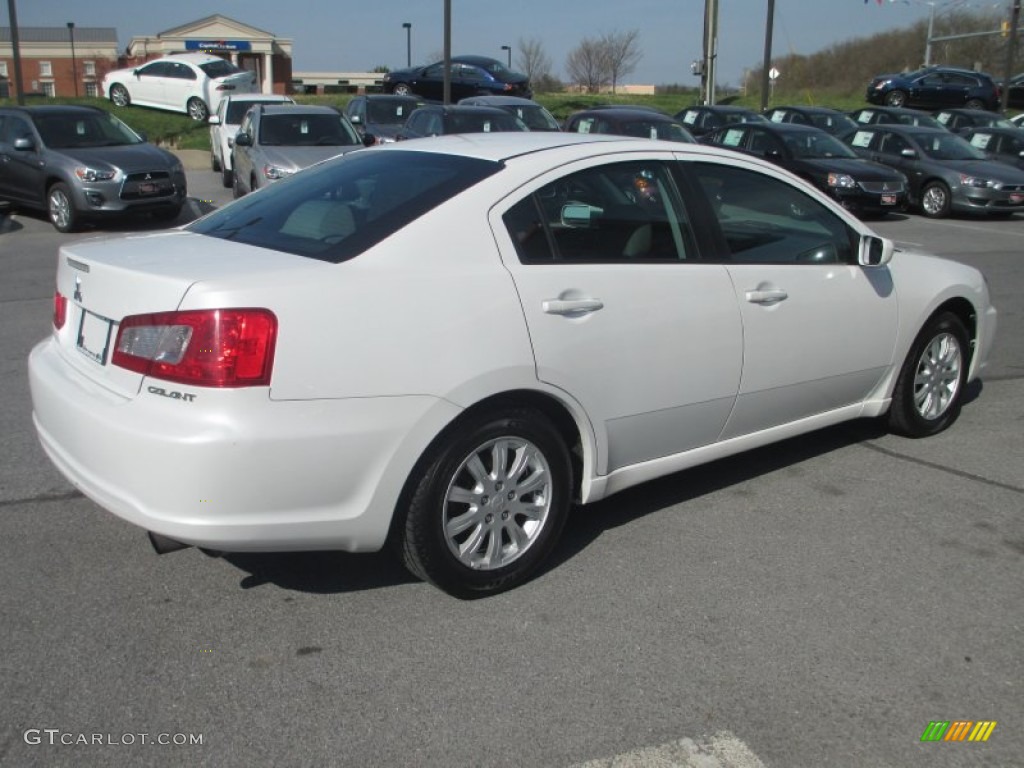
78,290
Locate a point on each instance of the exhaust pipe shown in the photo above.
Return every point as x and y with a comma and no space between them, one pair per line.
164,545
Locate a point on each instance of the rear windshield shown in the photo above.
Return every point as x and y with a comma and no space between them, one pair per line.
220,68
238,107
338,209
390,111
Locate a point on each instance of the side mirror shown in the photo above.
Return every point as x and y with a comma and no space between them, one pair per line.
875,251
355,119
910,153
243,139
214,120
24,143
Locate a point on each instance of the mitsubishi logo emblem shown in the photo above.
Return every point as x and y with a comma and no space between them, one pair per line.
149,176
78,290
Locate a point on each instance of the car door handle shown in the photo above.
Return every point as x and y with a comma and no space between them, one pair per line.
571,306
769,296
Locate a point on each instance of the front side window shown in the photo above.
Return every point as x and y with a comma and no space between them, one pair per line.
620,212
338,209
764,220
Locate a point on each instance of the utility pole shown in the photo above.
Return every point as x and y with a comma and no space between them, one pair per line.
710,50
1011,45
12,12
765,78
447,92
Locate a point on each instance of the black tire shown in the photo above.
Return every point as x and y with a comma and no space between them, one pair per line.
119,95
60,206
936,200
896,98
975,104
511,473
929,391
402,89
227,178
197,109
236,191
214,162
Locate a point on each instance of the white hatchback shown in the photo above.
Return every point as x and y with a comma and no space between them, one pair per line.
193,83
447,342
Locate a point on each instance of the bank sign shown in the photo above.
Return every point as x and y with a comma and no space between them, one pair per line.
218,45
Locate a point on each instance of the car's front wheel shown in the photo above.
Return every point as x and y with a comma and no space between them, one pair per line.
214,162
119,95
896,98
401,89
197,109
61,207
936,200
227,178
929,390
489,504
975,104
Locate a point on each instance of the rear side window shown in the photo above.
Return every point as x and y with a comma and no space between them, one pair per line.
338,209
220,68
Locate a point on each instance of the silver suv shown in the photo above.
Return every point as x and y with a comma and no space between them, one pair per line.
79,163
224,125
276,141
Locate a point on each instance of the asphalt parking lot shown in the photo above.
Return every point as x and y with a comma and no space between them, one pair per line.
816,603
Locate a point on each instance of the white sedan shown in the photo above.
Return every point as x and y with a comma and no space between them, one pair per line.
447,342
193,83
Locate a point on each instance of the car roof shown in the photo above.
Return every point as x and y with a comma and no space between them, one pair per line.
904,128
298,109
777,127
480,61
507,145
893,111
631,112
388,97
484,101
807,110
55,109
721,108
476,109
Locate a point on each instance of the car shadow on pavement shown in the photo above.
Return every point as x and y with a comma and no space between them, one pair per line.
321,572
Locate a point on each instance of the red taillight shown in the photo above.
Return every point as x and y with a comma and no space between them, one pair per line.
206,347
60,309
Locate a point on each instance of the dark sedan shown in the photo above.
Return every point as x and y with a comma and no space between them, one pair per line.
894,115
945,172
859,185
629,121
829,120
1003,144
470,76
442,119
934,88
701,120
530,112
381,115
960,120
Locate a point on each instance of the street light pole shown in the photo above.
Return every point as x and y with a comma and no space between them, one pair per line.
509,49
1011,45
408,43
446,93
74,64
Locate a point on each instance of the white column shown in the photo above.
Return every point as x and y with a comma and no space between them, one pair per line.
268,73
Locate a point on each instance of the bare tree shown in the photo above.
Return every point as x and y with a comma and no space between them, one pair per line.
587,65
621,54
532,60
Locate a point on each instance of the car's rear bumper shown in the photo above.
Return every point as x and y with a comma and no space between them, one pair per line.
233,470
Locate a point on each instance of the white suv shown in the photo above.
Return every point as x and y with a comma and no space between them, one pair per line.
193,83
224,125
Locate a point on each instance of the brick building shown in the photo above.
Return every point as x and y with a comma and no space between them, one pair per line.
47,66
256,50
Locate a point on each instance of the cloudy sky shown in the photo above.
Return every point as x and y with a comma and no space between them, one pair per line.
357,35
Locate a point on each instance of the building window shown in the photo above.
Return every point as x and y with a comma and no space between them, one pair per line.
90,68
3,69
45,69
49,89
91,90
